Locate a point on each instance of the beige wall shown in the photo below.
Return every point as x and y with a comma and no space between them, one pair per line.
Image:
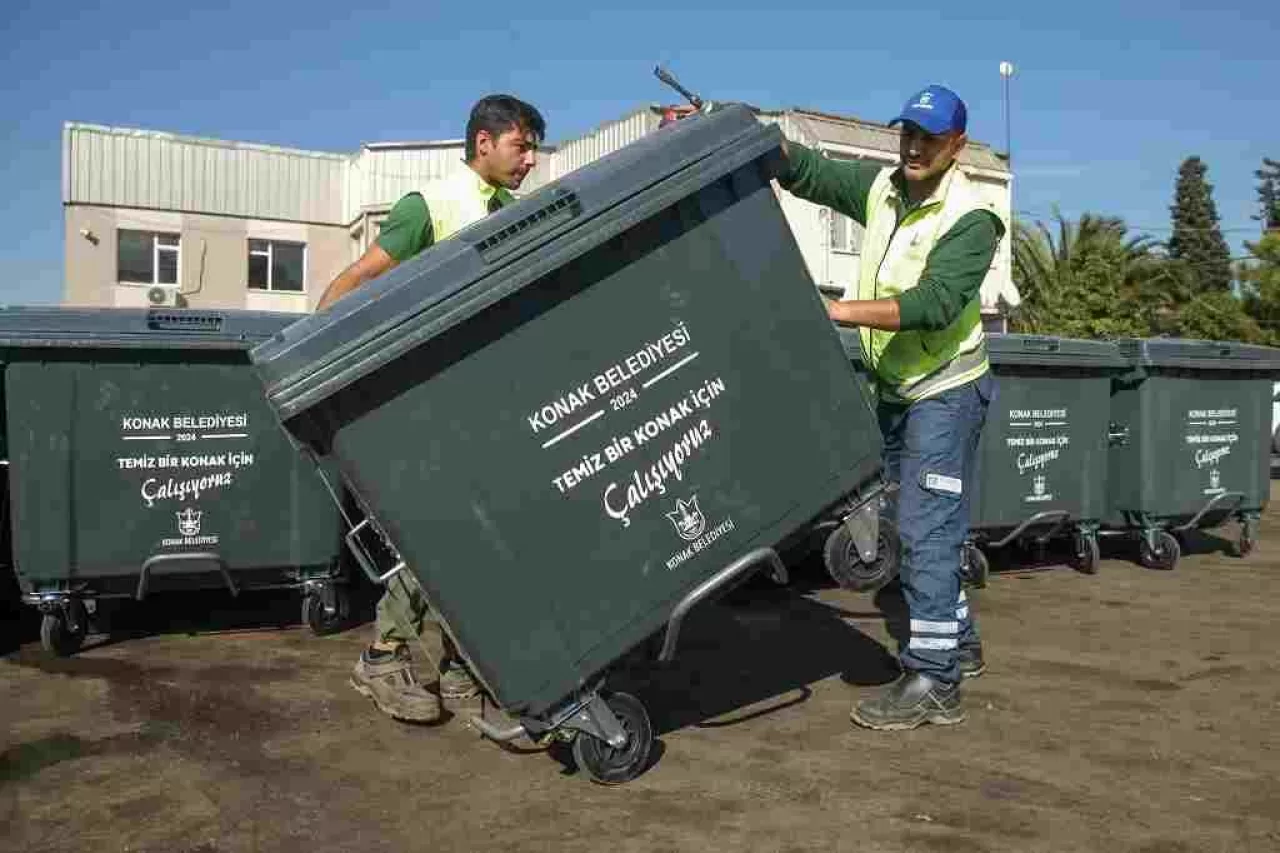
213,262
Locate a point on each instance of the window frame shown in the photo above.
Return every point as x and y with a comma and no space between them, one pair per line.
269,254
156,248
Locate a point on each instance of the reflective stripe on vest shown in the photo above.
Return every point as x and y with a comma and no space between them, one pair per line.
459,200
913,365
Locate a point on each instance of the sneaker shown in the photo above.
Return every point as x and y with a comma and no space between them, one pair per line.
457,682
972,663
387,678
911,701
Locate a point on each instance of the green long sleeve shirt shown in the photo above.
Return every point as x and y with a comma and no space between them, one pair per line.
958,262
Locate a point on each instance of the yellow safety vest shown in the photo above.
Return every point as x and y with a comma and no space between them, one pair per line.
460,200
914,365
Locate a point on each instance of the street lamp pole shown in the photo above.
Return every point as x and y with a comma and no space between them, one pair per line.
1006,71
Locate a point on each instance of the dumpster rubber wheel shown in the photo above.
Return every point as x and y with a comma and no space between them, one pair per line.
1088,555
1167,553
1248,538
975,567
847,569
322,622
57,637
609,766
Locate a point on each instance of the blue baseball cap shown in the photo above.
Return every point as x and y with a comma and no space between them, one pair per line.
935,108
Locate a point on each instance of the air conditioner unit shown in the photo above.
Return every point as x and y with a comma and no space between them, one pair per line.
165,297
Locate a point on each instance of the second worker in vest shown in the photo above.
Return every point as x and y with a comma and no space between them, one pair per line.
503,134
929,241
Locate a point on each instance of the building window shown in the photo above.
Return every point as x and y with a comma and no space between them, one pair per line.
274,265
145,257
846,235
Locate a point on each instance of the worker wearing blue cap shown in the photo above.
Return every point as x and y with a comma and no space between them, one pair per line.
929,241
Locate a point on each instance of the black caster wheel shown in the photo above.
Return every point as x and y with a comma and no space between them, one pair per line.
974,567
1088,556
1166,553
846,567
58,635
320,619
1248,538
609,766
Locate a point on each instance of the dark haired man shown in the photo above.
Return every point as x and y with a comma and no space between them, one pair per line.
503,134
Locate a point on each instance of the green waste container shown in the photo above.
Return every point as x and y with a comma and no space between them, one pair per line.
143,456
1192,421
10,597
577,418
853,352
1042,459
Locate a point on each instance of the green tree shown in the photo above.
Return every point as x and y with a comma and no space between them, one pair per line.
1268,194
1261,281
1081,279
1197,236
1217,316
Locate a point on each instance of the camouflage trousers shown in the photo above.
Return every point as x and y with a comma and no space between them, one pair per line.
403,616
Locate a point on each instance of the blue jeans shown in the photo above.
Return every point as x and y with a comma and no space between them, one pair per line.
930,450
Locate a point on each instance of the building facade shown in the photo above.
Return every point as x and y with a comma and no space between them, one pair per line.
161,219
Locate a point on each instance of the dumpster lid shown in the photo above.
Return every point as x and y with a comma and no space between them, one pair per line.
1038,350
459,277
1202,355
1049,351
110,328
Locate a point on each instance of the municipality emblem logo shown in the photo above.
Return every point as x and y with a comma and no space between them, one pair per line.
1215,479
688,519
1038,484
189,521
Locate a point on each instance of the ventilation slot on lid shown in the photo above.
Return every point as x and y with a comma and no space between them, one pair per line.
527,229
174,322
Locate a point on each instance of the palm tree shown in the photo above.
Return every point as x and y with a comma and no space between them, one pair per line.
1057,274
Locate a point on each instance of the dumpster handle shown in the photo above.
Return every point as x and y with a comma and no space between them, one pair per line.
352,536
365,561
738,568
199,557
1207,508
1058,516
494,733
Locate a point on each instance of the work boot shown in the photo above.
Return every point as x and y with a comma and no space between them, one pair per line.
387,678
972,663
913,700
457,682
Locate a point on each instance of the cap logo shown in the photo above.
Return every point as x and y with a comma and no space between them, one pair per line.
925,102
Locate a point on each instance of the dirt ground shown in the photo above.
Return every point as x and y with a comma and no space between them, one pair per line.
1134,710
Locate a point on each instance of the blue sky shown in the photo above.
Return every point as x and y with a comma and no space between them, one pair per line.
1107,100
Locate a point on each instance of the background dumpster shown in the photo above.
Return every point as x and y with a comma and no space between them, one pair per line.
578,417
143,456
1193,434
1042,458
10,605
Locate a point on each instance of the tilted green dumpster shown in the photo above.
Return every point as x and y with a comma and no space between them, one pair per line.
143,456
580,416
1042,458
1193,426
